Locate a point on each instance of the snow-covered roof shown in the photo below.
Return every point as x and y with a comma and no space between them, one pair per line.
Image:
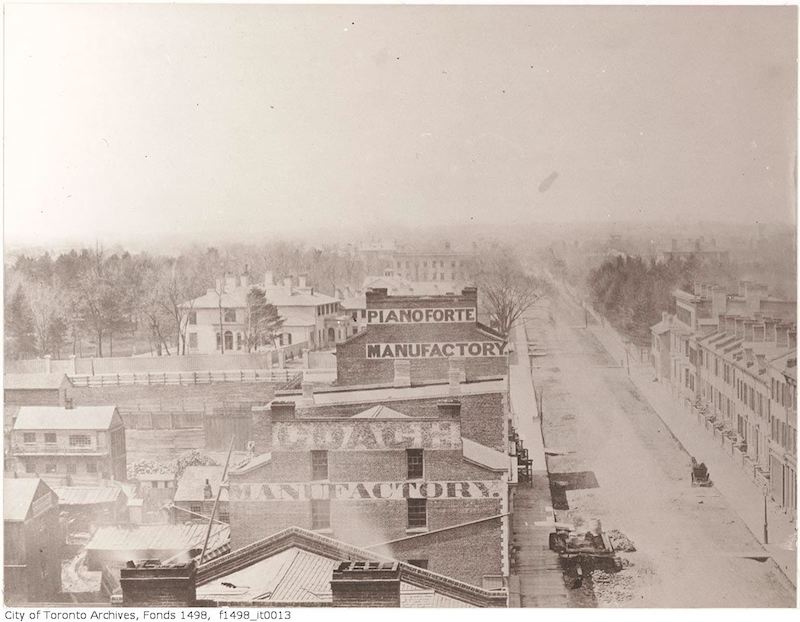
60,418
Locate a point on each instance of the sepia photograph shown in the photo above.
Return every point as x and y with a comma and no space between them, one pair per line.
398,306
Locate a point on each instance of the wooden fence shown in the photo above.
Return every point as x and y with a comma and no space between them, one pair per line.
183,378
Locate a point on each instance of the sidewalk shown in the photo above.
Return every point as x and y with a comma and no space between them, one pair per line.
537,575
741,493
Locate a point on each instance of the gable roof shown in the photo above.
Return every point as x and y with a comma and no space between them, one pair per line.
380,412
18,495
60,418
294,570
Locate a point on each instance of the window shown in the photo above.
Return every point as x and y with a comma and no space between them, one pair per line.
228,340
320,514
154,484
91,467
197,508
319,465
192,340
441,276
225,517
50,467
192,318
30,467
238,341
72,468
419,563
288,339
79,440
50,438
230,315
415,463
29,437
417,513
219,341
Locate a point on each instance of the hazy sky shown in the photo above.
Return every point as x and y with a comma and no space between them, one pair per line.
203,121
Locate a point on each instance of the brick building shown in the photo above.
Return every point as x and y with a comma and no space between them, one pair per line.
410,340
33,542
69,445
420,474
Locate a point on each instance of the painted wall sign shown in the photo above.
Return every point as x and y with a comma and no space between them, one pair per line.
300,435
468,349
445,315
355,491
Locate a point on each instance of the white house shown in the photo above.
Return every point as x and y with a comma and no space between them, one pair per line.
308,316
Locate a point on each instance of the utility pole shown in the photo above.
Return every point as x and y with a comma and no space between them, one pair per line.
766,526
216,501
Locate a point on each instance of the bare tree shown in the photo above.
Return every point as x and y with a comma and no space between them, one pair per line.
506,290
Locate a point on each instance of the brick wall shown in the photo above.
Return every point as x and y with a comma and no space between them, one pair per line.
158,586
482,415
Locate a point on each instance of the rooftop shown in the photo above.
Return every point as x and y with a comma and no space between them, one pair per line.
18,495
278,295
89,495
192,484
34,381
60,418
165,537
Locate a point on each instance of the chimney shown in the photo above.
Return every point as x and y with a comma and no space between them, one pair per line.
454,382
450,409
697,289
218,285
149,584
302,280
664,316
769,330
208,492
761,359
269,279
47,364
282,411
743,288
730,324
740,327
366,584
782,335
749,357
308,392
245,280
792,334
230,282
402,373
748,330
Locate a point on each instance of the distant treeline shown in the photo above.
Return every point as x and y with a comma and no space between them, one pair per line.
631,292
79,302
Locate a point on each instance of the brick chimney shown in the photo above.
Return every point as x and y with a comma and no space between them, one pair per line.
301,280
454,382
282,411
149,584
450,409
230,282
782,335
308,392
366,584
402,373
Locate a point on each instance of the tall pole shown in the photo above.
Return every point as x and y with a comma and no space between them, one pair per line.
216,501
766,527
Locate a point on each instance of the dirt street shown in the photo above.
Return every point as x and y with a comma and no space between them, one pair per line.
625,468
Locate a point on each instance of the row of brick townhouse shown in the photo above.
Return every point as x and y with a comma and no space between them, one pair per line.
734,357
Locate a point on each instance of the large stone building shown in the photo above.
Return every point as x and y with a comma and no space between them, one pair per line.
218,320
420,474
411,340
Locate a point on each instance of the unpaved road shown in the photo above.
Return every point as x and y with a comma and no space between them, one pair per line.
628,471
